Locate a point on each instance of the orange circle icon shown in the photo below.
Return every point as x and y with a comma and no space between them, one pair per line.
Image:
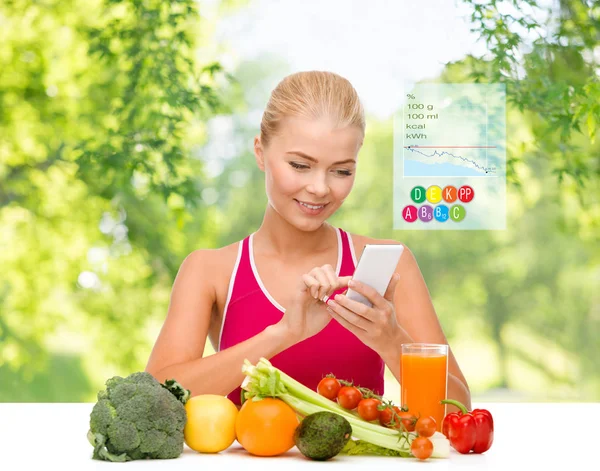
449,194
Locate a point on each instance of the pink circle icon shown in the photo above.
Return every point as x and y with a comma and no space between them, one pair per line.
410,213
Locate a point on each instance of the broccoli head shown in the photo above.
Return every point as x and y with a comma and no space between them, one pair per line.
138,417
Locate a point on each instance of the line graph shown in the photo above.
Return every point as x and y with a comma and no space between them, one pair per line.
435,116
488,171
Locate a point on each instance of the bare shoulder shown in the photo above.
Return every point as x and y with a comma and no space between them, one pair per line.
209,264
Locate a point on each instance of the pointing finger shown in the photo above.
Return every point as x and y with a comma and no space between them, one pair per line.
311,285
341,282
324,283
332,277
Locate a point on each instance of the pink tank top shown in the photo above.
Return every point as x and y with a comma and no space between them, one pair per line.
249,309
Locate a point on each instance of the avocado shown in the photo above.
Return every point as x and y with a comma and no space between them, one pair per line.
322,435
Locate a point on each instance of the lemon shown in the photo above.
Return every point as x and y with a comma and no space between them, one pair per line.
210,425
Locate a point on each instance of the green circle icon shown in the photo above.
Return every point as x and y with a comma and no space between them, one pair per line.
457,213
418,194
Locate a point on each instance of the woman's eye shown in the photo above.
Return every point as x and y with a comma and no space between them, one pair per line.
295,165
345,173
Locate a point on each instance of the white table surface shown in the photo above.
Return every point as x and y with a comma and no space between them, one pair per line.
531,436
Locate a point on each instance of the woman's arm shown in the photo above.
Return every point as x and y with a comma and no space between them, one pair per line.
178,350
419,323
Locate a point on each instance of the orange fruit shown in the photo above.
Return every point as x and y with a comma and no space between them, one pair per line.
266,427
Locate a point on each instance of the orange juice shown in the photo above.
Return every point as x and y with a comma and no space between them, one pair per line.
424,384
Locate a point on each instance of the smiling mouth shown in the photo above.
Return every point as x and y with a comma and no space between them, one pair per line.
312,206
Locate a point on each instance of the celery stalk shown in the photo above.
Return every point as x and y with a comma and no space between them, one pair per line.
264,380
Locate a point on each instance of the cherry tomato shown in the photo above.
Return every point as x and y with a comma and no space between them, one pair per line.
348,397
367,409
385,416
408,420
329,388
421,448
425,426
399,417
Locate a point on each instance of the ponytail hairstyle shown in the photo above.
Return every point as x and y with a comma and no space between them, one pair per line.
312,95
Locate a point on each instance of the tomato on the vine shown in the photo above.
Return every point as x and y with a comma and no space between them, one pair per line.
425,426
367,409
408,420
386,415
401,419
348,397
329,387
421,448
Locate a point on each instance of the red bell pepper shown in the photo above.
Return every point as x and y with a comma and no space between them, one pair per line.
468,431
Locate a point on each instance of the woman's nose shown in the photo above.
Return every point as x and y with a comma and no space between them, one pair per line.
318,187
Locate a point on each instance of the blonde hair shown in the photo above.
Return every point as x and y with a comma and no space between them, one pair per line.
312,94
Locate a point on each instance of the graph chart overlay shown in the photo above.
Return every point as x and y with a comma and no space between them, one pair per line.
450,137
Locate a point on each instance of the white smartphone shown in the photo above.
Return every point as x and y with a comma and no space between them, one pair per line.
375,268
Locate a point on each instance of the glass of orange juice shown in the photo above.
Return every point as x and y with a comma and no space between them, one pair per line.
424,379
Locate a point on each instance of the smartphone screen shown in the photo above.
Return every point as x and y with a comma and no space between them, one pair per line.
375,268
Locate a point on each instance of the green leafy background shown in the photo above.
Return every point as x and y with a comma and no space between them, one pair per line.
108,119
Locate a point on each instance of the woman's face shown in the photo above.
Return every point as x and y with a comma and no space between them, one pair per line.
309,163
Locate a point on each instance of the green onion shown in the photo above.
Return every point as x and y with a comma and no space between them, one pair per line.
264,380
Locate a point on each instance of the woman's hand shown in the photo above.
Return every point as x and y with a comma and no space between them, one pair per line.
307,314
377,326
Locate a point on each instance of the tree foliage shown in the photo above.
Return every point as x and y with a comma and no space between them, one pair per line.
99,110
548,57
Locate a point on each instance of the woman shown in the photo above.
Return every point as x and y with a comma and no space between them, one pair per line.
263,296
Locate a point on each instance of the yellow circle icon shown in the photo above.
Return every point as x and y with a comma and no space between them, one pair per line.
434,194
